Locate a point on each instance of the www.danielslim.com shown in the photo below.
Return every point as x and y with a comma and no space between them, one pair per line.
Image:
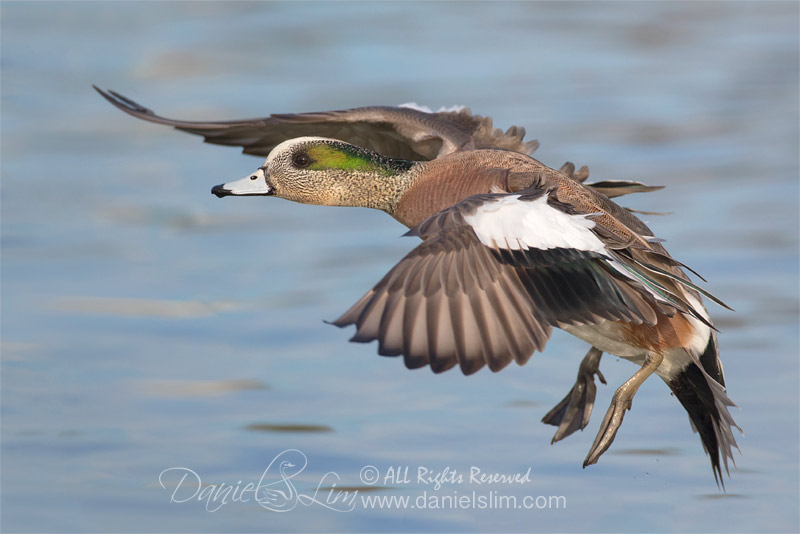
475,500
277,488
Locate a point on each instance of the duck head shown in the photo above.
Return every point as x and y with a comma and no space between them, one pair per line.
329,172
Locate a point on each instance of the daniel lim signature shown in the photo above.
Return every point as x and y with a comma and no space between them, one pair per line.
275,490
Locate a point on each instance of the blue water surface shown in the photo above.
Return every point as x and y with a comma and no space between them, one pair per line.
147,325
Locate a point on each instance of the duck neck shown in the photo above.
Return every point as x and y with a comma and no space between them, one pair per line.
382,190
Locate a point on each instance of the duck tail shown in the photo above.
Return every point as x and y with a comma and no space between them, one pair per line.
700,389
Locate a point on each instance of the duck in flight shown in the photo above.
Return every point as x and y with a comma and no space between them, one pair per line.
511,248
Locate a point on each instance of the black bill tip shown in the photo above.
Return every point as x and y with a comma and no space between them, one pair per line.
220,191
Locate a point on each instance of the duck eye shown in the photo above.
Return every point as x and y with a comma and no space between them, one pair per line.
301,160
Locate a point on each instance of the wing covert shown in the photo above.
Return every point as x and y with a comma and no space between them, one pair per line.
464,298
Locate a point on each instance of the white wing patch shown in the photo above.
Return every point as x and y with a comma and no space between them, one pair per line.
426,109
514,224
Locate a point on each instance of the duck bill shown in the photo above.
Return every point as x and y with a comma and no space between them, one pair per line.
252,185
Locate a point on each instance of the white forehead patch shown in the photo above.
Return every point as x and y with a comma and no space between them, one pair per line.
289,143
514,224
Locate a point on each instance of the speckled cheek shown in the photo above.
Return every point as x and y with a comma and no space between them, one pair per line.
297,191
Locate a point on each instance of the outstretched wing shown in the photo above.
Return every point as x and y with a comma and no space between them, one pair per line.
396,132
494,274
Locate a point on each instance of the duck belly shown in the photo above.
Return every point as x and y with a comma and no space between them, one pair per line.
607,336
610,337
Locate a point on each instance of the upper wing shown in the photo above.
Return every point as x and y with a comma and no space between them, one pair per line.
492,277
396,132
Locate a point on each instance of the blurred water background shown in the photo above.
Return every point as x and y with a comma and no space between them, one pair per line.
148,325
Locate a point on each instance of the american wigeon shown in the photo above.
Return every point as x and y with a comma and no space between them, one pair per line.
511,248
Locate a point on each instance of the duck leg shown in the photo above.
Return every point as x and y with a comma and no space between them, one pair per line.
620,402
573,412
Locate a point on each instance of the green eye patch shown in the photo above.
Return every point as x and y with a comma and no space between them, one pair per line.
347,158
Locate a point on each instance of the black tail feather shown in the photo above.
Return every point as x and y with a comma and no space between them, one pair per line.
711,362
702,395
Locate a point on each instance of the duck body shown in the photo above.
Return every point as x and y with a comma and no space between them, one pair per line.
511,249
485,199
476,172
